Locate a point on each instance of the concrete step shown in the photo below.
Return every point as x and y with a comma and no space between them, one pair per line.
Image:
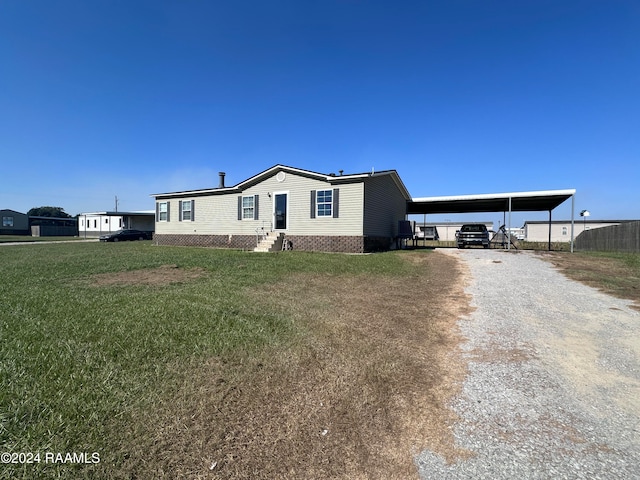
269,243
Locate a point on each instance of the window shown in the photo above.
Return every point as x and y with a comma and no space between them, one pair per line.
564,230
95,223
186,210
7,221
324,203
106,220
247,207
163,212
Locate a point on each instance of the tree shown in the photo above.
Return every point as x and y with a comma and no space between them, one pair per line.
57,212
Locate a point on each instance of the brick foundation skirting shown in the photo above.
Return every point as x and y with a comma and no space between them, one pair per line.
310,243
246,242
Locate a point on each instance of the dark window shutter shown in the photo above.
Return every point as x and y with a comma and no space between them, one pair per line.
255,207
336,202
168,210
157,211
240,207
313,204
193,210
180,210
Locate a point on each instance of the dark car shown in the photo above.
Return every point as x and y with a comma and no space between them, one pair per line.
472,234
123,235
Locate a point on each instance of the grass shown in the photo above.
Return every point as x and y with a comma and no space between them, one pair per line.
121,368
175,362
615,273
29,239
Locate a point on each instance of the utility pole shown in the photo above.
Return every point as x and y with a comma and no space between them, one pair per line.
116,203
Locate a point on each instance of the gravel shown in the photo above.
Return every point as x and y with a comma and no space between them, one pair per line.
553,385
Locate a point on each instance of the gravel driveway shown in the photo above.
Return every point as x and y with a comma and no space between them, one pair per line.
553,388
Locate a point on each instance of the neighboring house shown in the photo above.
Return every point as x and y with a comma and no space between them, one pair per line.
538,231
94,224
313,211
14,223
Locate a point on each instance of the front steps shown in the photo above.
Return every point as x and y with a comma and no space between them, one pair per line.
271,242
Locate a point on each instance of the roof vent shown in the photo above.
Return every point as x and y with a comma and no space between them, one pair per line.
340,172
221,175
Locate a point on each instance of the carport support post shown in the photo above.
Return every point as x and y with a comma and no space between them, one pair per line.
573,203
549,230
509,227
424,230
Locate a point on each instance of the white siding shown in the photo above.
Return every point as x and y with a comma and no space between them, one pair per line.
96,224
560,231
384,207
217,214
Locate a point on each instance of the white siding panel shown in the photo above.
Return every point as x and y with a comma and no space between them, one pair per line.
384,207
218,214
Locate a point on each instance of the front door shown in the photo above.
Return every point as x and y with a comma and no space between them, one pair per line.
280,211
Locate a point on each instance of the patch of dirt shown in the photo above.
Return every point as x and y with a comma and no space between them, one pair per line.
163,275
366,388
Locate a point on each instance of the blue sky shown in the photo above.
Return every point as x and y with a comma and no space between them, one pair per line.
128,98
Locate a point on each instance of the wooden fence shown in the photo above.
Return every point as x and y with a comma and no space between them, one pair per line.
616,238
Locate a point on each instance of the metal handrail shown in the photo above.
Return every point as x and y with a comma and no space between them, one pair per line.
261,233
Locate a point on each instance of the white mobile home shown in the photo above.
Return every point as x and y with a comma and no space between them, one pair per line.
538,231
94,224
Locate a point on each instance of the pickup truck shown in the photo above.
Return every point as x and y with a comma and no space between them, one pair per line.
472,234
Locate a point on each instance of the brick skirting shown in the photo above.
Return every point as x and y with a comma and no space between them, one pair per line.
246,242
311,243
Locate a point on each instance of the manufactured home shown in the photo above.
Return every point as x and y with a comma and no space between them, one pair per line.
14,223
94,224
560,230
297,208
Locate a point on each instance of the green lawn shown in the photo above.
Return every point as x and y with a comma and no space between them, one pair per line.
79,362
29,238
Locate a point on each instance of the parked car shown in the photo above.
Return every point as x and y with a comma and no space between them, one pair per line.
123,235
473,234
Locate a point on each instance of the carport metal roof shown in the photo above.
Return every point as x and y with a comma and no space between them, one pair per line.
538,201
545,200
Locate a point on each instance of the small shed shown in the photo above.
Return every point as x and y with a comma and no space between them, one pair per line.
53,226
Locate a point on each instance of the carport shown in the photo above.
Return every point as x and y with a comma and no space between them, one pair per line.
538,201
